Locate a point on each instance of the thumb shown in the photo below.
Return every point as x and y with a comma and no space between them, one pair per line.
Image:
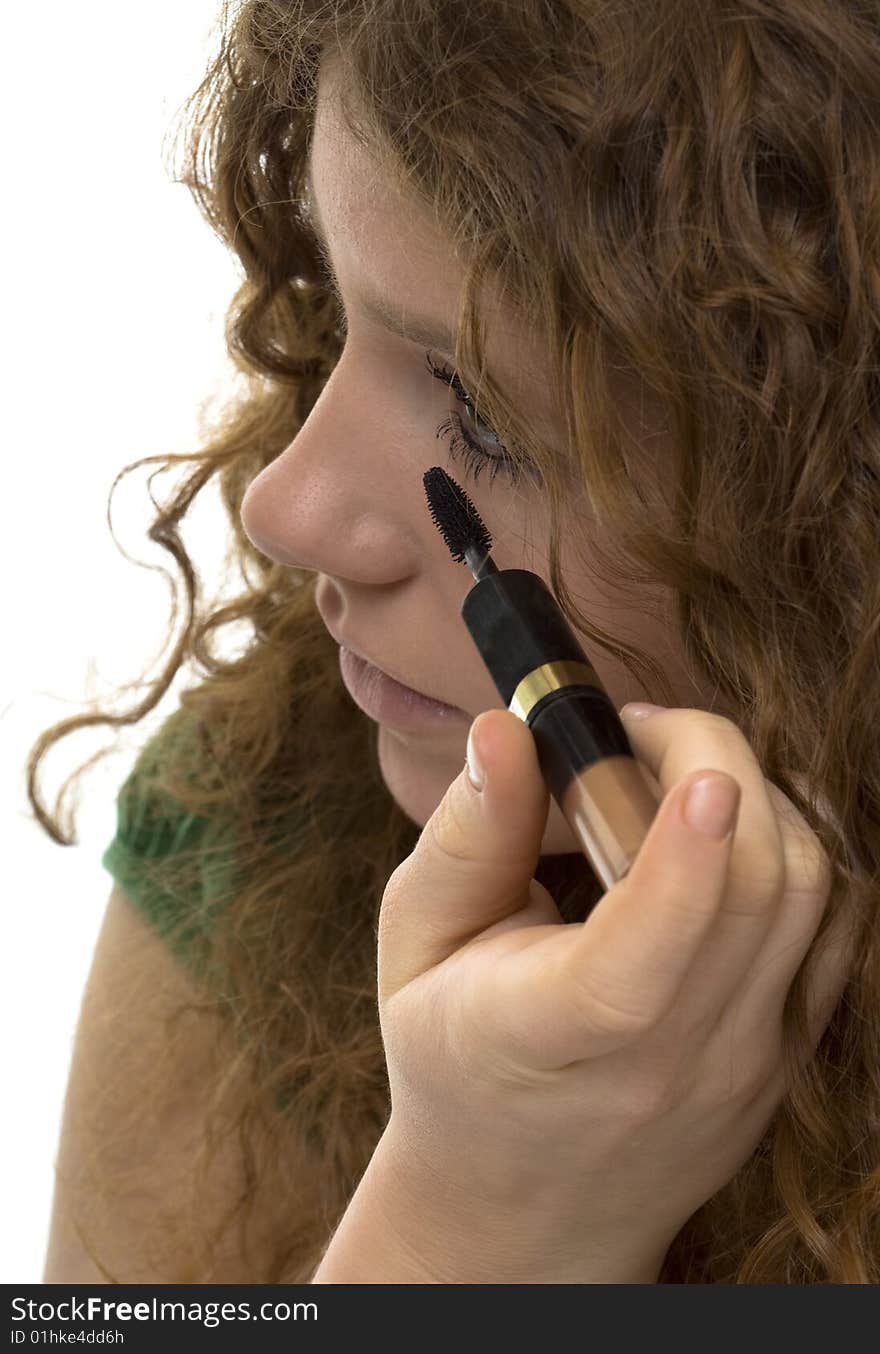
475,857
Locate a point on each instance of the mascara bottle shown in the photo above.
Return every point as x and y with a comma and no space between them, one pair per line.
545,678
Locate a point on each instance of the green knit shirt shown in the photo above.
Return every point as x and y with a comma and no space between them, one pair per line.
156,836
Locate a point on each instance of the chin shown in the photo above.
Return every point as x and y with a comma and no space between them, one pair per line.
418,777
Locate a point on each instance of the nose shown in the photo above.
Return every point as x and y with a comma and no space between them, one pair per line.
325,503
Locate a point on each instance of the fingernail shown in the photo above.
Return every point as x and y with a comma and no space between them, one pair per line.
711,805
476,774
640,710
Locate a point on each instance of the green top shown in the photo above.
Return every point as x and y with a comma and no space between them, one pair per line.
156,837
171,862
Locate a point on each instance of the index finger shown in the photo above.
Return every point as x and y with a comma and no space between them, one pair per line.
671,744
589,988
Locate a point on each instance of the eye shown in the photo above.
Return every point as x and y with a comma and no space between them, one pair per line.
464,444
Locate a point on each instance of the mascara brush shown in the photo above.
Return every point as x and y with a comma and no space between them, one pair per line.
545,678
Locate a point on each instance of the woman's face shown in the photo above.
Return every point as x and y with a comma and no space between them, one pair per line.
346,498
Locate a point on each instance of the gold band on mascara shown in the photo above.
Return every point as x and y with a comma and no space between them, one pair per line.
547,678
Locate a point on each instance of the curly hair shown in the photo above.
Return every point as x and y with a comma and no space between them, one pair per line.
684,194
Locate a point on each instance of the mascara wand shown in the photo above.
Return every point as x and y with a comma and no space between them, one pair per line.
545,678
461,526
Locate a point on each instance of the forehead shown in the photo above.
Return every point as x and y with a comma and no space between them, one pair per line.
360,205
384,242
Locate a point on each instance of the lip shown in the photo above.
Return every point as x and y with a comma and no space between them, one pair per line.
392,677
388,702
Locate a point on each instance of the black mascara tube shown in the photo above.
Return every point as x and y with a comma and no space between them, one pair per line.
545,678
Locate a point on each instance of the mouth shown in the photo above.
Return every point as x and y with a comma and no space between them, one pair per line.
377,669
386,698
403,688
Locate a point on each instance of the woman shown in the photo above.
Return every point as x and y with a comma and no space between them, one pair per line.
648,232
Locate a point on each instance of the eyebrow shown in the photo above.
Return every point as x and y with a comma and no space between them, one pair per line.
427,333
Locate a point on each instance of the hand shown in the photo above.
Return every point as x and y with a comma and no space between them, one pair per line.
613,1073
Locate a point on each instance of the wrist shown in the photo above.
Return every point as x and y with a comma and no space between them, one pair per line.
408,1224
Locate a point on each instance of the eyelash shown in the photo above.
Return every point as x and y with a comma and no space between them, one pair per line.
464,445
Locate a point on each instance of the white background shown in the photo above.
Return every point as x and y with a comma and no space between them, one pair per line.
114,299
